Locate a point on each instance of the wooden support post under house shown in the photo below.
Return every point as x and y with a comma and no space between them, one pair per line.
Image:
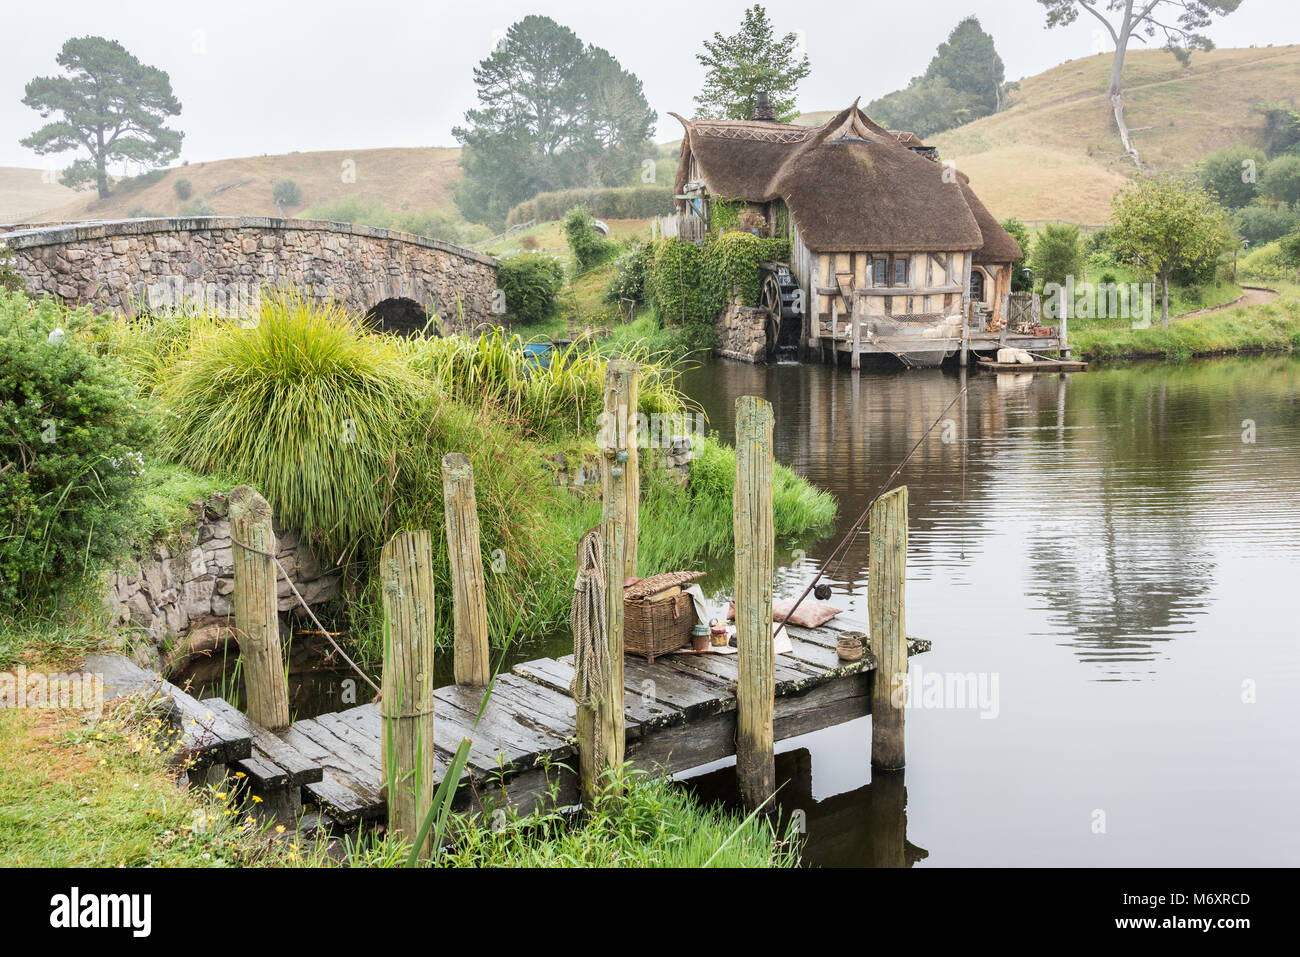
754,571
257,619
887,623
406,733
858,313
472,663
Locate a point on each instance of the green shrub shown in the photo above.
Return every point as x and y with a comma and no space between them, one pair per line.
1261,225
285,192
1058,254
623,202
675,285
71,451
10,281
1225,173
198,207
306,406
630,270
589,248
183,189
1281,181
143,212
531,283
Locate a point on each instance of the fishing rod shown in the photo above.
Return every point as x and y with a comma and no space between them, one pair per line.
857,526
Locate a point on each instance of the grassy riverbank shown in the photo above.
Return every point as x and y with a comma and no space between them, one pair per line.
344,433
83,790
1271,327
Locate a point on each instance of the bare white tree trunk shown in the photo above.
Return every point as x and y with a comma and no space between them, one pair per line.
1116,92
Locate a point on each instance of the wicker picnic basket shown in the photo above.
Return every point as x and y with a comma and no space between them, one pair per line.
654,628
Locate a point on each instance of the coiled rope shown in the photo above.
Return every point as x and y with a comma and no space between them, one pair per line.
591,665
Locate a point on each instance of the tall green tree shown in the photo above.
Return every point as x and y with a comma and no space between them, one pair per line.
1179,22
109,104
554,113
970,64
965,80
1163,224
751,61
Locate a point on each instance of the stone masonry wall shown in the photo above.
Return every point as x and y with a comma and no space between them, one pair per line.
187,583
742,334
113,265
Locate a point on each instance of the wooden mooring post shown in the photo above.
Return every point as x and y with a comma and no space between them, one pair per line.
257,619
887,621
755,568
406,732
600,726
472,663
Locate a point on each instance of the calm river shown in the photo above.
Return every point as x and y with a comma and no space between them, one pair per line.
1115,556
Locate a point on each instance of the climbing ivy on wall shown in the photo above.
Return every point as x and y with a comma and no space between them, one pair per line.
724,215
691,285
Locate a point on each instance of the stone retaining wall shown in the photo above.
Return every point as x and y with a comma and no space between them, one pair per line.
742,334
187,584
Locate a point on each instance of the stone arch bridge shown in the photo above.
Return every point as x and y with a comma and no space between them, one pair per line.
225,262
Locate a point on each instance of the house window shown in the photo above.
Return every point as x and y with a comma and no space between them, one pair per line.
879,272
977,285
900,272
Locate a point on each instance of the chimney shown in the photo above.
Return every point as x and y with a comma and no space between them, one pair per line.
763,112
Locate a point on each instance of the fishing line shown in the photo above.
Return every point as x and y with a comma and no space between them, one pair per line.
852,532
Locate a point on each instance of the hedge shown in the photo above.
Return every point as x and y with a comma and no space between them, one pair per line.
619,202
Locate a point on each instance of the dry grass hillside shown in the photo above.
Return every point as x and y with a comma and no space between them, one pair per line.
24,194
1053,154
400,179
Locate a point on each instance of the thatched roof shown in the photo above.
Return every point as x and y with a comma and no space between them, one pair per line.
850,184
999,245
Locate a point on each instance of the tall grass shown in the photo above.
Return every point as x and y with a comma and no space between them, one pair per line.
653,823
564,398
305,406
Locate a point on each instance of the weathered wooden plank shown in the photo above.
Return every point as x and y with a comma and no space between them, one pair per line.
792,676
694,695
640,706
204,734
338,796
331,752
262,775
507,723
298,769
489,756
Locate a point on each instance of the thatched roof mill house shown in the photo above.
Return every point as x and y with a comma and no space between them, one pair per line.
880,231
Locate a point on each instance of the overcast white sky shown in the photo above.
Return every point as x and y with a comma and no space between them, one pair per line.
272,76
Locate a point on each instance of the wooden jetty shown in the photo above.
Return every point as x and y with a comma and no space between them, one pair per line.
548,731
1038,365
680,713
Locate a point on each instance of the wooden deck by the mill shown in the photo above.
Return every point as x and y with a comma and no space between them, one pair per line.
680,714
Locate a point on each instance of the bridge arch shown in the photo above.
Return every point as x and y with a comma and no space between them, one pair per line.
225,261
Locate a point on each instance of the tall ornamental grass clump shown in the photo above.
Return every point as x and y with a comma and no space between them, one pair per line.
561,399
306,406
72,449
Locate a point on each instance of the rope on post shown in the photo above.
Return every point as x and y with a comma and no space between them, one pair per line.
591,666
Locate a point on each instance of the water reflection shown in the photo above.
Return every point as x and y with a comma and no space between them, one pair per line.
864,827
1102,500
